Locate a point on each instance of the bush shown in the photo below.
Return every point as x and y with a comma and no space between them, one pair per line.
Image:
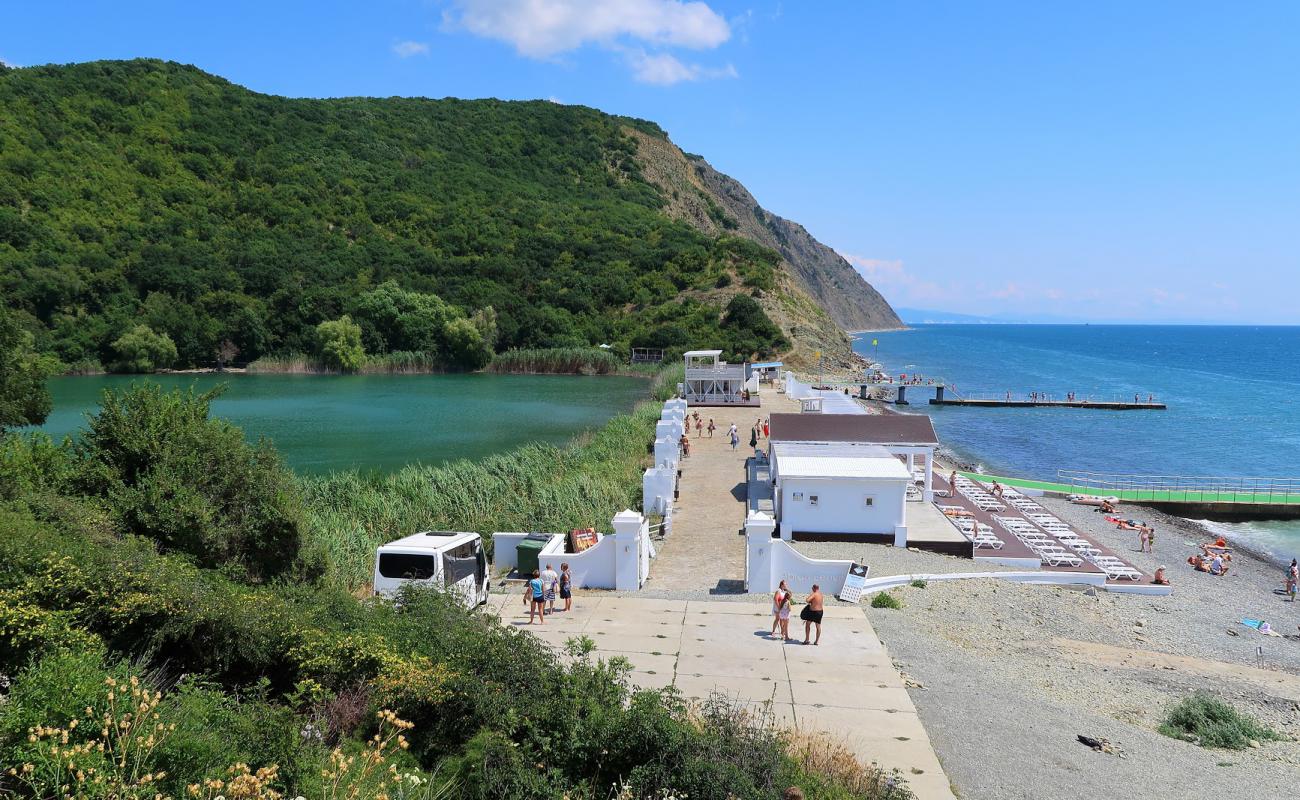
191,483
1208,721
142,350
339,344
886,600
918,584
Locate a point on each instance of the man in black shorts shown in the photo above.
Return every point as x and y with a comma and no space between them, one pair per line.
812,614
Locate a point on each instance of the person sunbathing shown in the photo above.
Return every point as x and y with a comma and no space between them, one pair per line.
1159,577
1107,507
1220,546
1217,567
1197,562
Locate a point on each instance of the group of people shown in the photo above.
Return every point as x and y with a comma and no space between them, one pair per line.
811,613
699,425
540,591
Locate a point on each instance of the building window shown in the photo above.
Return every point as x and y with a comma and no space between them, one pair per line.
798,496
870,501
812,499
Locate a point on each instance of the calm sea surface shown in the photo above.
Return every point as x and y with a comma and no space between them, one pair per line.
1232,395
323,423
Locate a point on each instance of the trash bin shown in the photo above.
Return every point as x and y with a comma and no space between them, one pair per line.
528,550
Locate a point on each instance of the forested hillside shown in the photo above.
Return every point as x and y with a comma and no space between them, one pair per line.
154,215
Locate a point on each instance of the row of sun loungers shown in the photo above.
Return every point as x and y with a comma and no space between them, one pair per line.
1045,534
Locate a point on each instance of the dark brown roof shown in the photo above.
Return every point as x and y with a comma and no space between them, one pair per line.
872,428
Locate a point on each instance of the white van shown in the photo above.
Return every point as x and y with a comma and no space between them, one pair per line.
453,562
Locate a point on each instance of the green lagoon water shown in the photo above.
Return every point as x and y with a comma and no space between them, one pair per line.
321,423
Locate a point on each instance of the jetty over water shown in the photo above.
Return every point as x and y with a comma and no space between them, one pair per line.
1227,499
945,394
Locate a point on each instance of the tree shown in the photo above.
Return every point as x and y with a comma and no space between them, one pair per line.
191,483
225,352
339,343
24,398
141,349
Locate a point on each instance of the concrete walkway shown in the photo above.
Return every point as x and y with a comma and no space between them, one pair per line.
705,549
847,686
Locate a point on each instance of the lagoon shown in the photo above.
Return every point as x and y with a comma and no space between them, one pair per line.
321,423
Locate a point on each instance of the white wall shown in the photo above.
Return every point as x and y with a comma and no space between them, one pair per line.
504,555
769,561
841,505
657,488
593,568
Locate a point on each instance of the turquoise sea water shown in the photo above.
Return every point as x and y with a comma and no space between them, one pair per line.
383,422
1232,395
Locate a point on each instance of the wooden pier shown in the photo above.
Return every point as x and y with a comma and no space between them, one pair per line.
1117,405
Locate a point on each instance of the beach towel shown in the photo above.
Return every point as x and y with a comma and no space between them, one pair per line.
1260,626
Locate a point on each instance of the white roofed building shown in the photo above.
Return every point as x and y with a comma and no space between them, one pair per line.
710,381
828,491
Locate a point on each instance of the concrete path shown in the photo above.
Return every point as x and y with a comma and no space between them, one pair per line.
705,549
847,686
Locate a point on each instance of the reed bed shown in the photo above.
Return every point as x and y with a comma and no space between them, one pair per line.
536,487
558,361
396,363
664,385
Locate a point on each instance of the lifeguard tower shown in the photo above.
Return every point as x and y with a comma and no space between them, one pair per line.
710,381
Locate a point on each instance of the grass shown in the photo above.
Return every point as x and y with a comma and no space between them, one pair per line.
558,361
1208,721
886,600
536,487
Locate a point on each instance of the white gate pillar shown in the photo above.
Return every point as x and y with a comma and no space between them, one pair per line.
627,551
759,562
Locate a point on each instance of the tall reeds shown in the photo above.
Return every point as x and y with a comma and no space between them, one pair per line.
559,361
396,363
536,487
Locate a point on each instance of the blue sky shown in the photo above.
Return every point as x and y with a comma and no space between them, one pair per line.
1136,161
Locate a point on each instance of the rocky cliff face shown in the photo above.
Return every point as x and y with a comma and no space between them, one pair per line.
717,203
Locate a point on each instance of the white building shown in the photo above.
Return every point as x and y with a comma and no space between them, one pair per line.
710,381
834,491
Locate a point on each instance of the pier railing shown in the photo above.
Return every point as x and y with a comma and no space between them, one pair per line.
1184,488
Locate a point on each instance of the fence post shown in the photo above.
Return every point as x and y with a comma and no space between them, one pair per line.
628,527
758,552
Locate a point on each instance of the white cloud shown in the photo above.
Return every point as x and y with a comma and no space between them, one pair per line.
890,278
665,69
544,29
408,48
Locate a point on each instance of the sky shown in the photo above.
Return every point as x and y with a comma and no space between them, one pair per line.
1102,160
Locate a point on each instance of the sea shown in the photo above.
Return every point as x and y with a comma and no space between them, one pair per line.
1232,396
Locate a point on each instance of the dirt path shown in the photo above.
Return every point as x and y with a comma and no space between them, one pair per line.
706,550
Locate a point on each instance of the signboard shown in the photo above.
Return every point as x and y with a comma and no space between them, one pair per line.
853,583
582,538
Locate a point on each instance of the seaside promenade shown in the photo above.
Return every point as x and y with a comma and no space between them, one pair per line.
706,550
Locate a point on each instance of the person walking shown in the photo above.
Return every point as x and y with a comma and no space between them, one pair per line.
767,428
551,582
535,598
1292,579
779,595
753,439
735,438
566,586
783,616
712,427
812,614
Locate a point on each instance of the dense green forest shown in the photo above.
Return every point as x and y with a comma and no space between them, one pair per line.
153,215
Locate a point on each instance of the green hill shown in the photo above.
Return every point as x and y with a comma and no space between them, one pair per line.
144,193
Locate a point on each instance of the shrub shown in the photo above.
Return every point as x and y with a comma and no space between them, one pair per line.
918,584
1208,721
189,482
886,600
339,344
142,350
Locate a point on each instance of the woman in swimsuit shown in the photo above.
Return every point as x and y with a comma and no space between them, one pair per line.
777,598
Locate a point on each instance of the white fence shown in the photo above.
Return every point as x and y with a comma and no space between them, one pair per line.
619,560
769,561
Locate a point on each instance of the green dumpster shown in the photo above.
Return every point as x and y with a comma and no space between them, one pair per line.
528,550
